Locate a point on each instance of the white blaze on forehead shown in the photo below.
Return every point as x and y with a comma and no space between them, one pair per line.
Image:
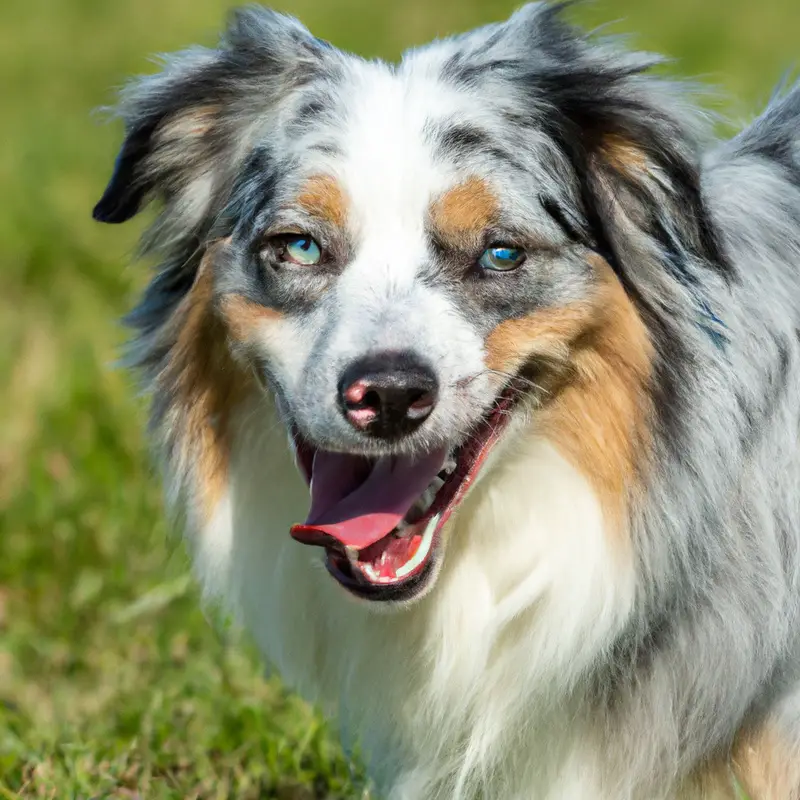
389,170
390,176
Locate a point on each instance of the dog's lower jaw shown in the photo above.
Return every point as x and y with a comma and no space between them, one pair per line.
466,692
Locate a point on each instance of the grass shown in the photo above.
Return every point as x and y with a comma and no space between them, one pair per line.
112,682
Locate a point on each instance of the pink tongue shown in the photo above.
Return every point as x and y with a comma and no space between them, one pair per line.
355,502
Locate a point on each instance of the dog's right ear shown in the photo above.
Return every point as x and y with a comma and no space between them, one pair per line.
125,191
187,128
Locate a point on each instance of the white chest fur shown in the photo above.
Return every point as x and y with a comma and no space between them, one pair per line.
461,692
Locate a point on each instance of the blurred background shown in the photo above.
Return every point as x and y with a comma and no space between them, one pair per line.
112,682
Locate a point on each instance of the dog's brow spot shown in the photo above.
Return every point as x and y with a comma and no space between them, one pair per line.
243,317
464,211
322,196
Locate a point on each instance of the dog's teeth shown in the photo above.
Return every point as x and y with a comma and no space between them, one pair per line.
423,549
352,555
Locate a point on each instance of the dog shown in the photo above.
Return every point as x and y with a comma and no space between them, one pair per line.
476,382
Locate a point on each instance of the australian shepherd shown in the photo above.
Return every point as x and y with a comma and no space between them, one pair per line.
476,379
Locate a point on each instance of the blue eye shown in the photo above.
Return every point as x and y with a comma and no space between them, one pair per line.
501,258
302,250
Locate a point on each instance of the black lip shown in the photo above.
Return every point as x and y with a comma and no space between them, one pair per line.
341,572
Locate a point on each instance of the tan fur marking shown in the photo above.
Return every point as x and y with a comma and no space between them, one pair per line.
244,317
598,416
323,197
767,765
712,781
623,155
207,386
194,122
463,213
549,333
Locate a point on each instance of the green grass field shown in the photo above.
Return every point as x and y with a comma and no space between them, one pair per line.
112,682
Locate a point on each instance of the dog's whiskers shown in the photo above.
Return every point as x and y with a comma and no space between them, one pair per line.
513,381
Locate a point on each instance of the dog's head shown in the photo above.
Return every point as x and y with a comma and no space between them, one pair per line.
409,259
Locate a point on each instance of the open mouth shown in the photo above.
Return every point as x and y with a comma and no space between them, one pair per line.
379,519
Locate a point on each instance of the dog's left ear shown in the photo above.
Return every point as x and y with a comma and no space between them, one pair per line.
188,127
633,138
639,163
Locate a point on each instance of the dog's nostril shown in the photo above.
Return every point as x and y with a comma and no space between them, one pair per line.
388,395
372,400
361,418
421,406
356,394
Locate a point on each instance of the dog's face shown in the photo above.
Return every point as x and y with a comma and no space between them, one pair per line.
406,258
379,291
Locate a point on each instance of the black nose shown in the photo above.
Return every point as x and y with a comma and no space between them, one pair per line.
388,395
